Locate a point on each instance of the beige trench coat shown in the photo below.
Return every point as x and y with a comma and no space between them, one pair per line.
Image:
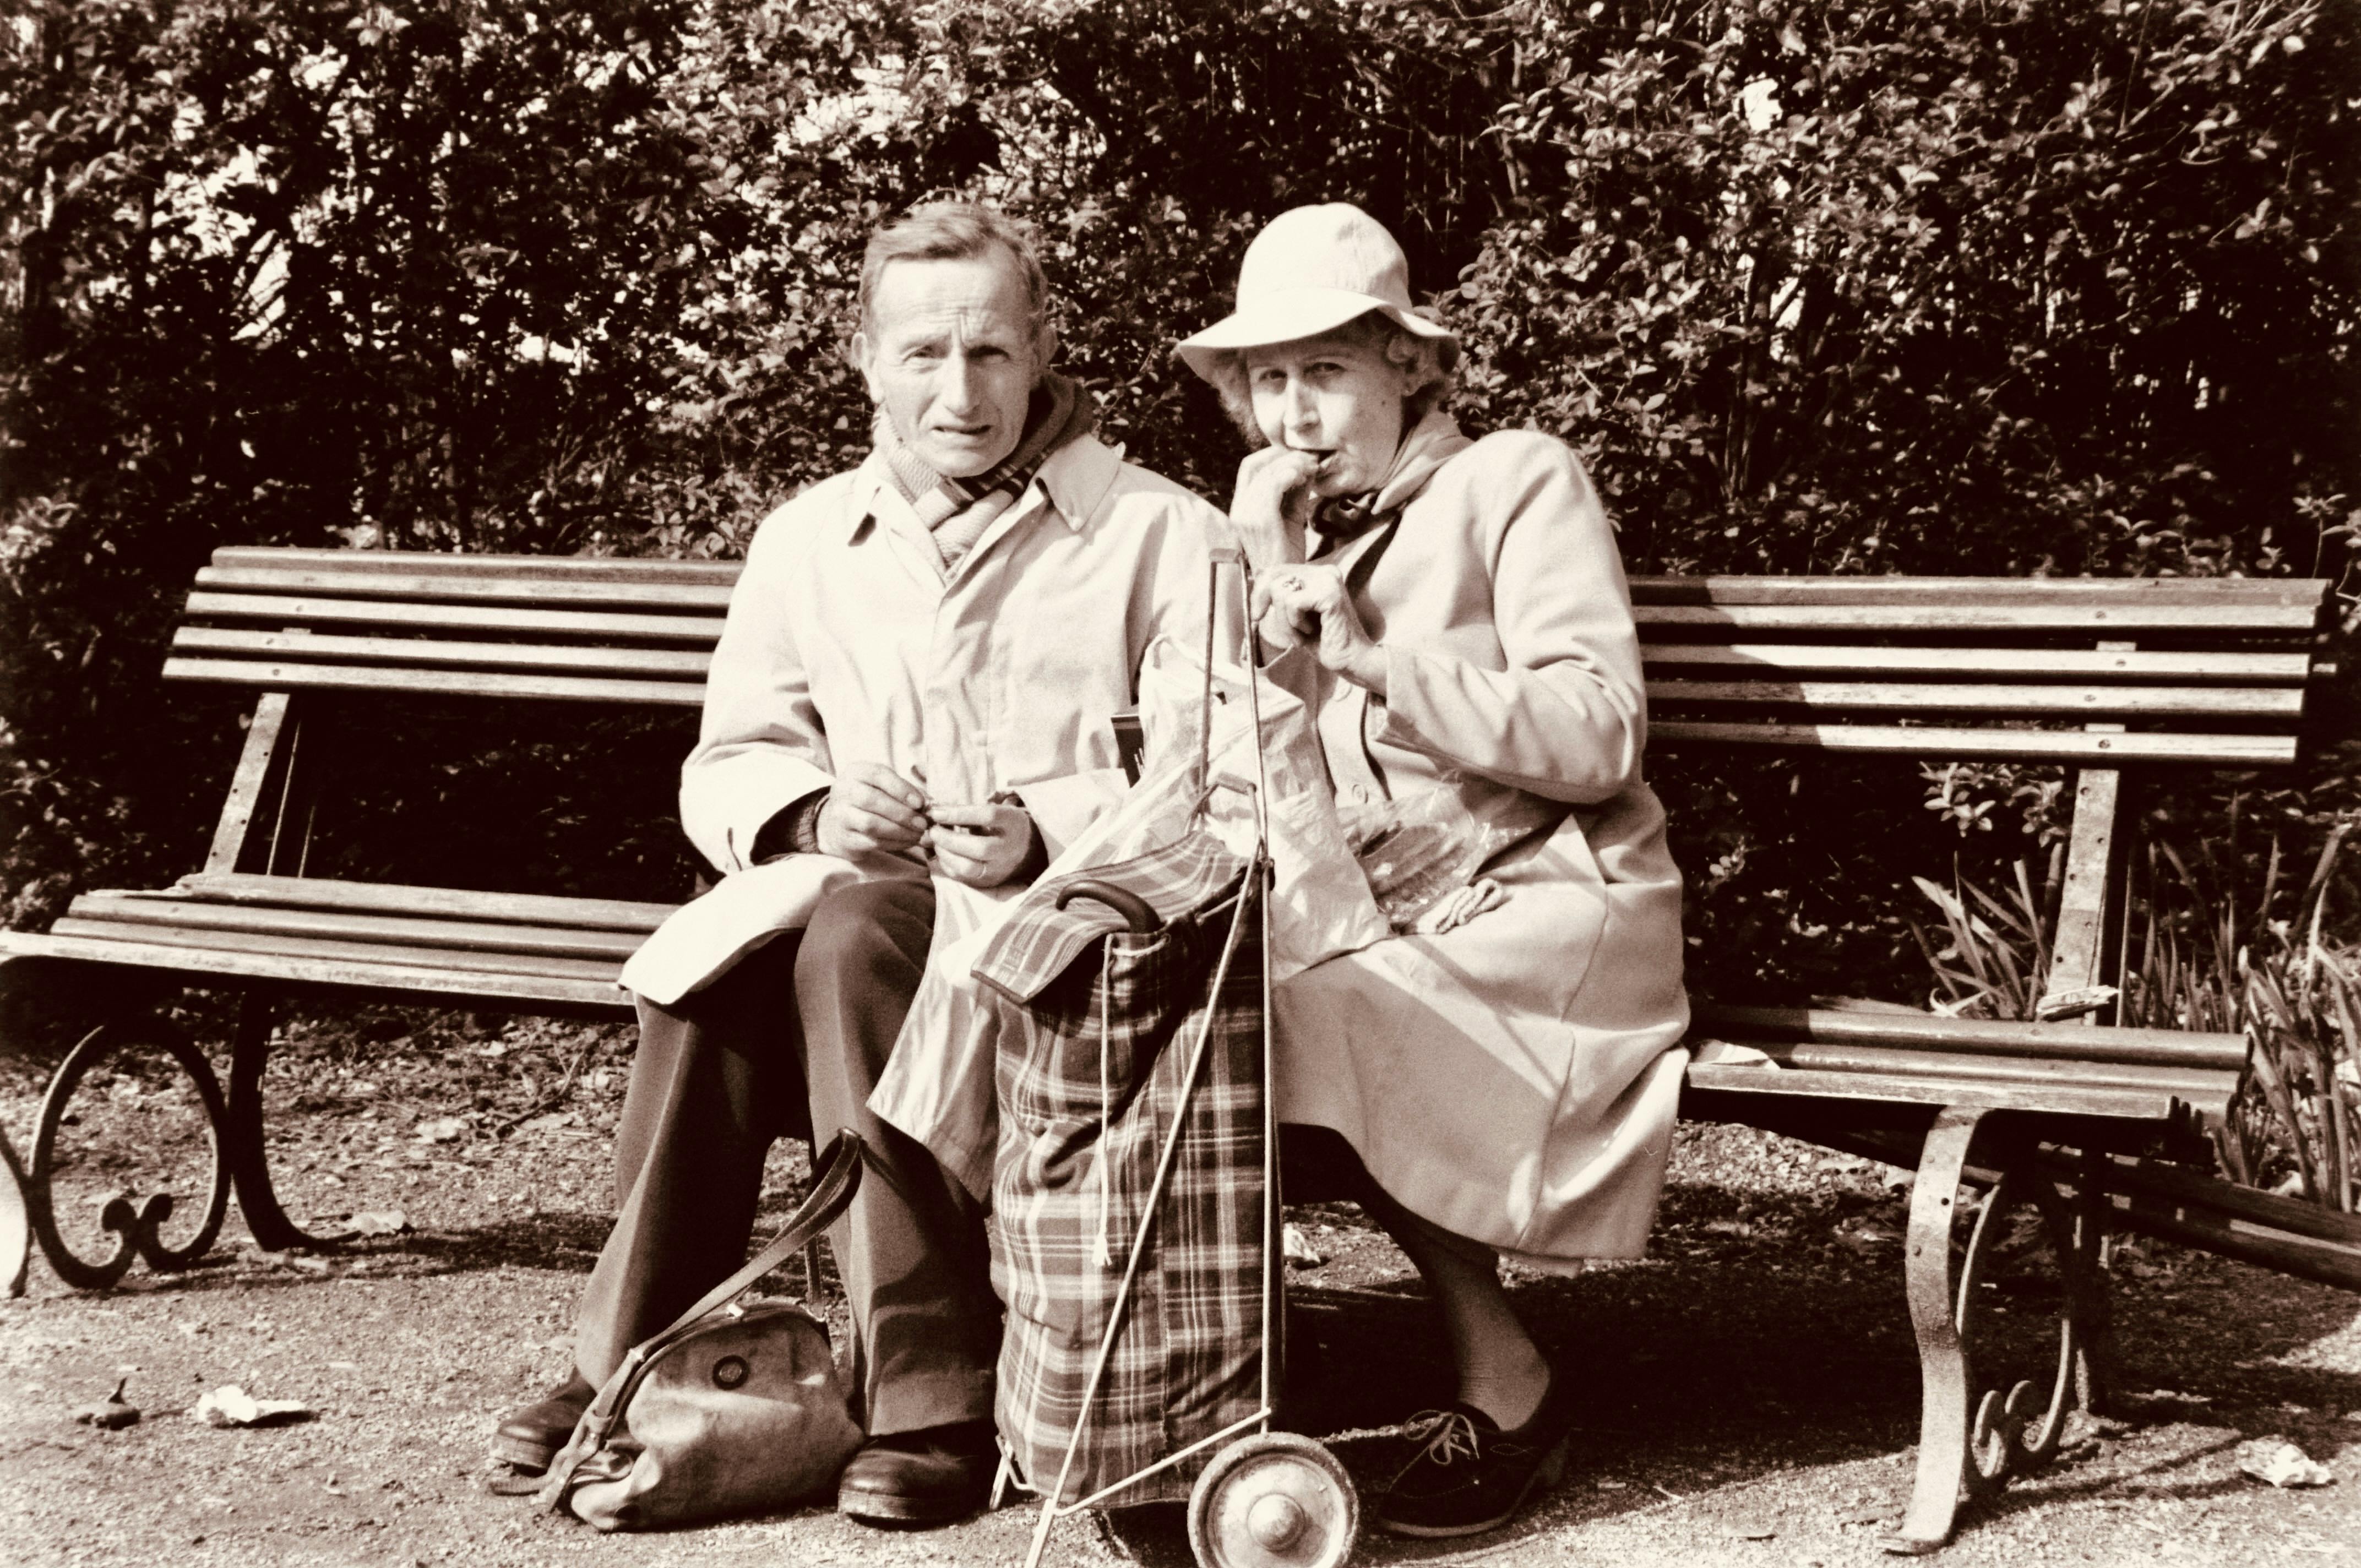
847,642
1515,1079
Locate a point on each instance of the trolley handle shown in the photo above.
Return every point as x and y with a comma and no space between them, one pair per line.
1137,913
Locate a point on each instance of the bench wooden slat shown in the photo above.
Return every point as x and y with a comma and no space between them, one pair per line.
583,568
2139,1104
2192,1082
2026,745
1649,589
386,930
2023,664
399,898
276,676
1938,616
1908,603
452,587
2129,1173
2225,1235
1919,696
232,942
449,987
227,641
2065,1042
286,609
1770,659
2199,592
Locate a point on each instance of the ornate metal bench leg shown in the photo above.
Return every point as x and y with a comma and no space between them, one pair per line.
138,1230
2086,1283
1946,1383
1974,1433
258,1201
2021,1431
15,1220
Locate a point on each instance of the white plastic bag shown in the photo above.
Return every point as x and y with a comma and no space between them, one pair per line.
1418,849
1320,903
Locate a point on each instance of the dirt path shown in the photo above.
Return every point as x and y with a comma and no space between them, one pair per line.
1754,1384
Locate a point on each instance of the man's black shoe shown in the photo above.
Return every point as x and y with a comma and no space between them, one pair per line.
1468,1475
931,1476
530,1438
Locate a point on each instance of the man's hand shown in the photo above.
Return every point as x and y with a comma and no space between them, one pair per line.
872,810
1310,603
983,846
1272,505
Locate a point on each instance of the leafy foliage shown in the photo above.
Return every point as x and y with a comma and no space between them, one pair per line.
1872,285
1899,287
2231,938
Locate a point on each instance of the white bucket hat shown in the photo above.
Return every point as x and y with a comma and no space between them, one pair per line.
1311,271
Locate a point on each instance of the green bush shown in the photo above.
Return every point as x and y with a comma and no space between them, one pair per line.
2010,286
393,277
1909,286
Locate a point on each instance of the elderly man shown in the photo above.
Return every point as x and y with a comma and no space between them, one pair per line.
917,676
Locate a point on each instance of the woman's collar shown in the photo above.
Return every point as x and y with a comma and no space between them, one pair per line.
1431,442
1425,448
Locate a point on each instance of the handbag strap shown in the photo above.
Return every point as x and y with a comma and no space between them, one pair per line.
837,1179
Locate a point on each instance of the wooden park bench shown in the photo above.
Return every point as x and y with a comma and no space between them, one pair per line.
2082,1120
2094,1126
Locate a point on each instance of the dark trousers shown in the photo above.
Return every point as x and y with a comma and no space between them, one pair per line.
793,1040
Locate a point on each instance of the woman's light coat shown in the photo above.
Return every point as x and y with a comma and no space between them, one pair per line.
1514,1079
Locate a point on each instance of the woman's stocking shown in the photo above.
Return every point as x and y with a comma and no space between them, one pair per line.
1501,1371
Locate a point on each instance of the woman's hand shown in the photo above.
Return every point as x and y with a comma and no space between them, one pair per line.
1272,505
1312,603
872,810
983,846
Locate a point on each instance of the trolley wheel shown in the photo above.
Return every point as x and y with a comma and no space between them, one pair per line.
1273,1500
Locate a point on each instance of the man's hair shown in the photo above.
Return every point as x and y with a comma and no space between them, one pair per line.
952,231
1430,365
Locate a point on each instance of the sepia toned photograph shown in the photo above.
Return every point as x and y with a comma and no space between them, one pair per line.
1211,783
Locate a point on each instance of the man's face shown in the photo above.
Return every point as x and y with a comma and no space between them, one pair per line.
950,353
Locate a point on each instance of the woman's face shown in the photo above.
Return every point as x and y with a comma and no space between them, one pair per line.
1336,395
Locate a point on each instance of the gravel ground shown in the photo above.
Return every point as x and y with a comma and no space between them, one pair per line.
1752,1384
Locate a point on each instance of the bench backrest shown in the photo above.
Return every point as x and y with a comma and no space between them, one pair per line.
2204,671
549,628
2103,671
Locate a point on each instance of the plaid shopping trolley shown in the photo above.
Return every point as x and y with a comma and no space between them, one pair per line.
1135,1207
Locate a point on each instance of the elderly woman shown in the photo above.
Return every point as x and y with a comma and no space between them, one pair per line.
1510,1083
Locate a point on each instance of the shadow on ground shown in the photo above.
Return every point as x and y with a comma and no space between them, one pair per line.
1764,1351
1745,1349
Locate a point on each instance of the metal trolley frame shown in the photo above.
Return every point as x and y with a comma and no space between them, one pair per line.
1268,1499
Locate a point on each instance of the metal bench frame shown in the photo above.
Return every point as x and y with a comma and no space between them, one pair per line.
2069,1117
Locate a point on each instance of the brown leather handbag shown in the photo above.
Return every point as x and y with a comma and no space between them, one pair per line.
729,1411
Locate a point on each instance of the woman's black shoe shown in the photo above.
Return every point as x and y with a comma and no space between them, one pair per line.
530,1438
1468,1475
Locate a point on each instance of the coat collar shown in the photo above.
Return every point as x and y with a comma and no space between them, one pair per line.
1074,480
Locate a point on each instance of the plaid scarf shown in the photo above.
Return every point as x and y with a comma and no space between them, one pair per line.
957,511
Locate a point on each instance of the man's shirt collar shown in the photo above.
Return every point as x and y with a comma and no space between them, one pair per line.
1078,476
